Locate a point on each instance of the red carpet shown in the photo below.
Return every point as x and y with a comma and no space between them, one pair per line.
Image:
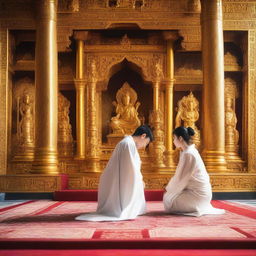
128,252
49,224
48,227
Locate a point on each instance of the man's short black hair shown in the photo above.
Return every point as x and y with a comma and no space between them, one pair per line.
144,129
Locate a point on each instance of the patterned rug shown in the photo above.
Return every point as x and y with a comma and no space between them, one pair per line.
45,219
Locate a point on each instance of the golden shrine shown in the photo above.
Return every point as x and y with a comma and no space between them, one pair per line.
77,75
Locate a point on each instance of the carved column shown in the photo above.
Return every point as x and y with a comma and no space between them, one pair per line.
46,92
213,86
80,36
170,37
93,147
157,122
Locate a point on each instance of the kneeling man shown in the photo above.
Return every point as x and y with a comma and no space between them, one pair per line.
121,187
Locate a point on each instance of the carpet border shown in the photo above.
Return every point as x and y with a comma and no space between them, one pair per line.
15,206
234,209
248,243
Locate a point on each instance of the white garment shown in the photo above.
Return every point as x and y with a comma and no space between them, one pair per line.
189,192
121,189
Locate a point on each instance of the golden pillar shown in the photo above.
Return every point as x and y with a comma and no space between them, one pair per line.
46,89
213,86
156,86
156,119
170,37
93,141
80,36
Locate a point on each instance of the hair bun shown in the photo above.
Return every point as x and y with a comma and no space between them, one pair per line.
191,131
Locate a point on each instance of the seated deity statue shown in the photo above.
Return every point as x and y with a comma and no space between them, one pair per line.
126,119
188,113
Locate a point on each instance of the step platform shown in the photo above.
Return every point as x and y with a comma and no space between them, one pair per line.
92,195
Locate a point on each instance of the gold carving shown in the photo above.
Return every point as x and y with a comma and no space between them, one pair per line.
227,183
126,119
182,16
238,7
231,63
125,42
251,94
29,183
26,124
156,120
188,113
184,71
233,182
231,133
125,3
68,6
194,6
3,99
65,139
93,145
24,139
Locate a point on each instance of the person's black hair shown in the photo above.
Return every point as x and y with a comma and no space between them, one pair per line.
144,129
185,133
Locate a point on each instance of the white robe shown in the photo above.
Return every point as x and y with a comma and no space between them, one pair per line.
121,187
189,192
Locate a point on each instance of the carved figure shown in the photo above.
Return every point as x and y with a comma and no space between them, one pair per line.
126,119
231,133
26,125
65,139
188,113
64,127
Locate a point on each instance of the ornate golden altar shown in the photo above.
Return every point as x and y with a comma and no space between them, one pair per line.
80,75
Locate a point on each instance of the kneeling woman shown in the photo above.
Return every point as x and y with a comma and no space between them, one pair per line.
189,192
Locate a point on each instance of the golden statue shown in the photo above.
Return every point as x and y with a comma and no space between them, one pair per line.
126,119
65,139
231,133
26,125
188,112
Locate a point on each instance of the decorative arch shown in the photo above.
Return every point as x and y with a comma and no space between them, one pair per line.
144,64
119,65
140,63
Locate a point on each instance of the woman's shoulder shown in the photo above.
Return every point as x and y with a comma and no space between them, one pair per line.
191,149
190,152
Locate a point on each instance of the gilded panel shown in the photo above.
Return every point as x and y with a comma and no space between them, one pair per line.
29,183
220,182
228,183
3,98
251,104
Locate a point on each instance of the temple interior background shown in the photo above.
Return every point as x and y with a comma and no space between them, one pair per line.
78,75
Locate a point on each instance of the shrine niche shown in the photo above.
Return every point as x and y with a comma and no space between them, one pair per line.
23,106
125,102
232,135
